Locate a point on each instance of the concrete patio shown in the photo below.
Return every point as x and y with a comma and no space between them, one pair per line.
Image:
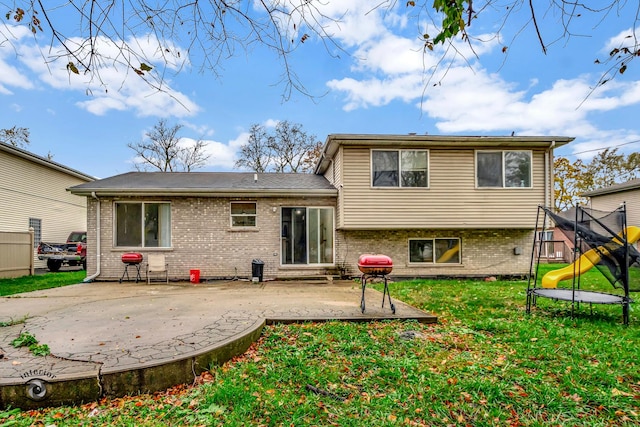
112,339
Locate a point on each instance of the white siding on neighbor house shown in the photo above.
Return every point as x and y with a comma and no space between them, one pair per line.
451,201
31,190
610,202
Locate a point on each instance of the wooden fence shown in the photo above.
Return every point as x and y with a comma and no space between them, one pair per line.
16,253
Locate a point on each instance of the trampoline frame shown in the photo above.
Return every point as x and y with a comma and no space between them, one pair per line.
574,294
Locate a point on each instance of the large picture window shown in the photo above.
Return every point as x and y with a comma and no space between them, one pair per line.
399,168
143,224
503,169
243,214
434,251
307,235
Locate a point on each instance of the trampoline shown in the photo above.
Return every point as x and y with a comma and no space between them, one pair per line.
590,297
601,240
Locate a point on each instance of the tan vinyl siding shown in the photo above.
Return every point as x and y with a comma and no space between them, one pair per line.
31,190
610,202
451,201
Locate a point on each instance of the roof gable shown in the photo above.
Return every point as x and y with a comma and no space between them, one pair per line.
34,158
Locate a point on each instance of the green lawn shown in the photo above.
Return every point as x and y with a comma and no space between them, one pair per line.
40,281
485,363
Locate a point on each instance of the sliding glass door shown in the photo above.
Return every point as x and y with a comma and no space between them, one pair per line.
307,235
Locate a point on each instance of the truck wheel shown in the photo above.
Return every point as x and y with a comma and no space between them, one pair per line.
84,264
54,264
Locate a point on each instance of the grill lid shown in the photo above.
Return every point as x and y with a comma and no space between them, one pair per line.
132,258
375,264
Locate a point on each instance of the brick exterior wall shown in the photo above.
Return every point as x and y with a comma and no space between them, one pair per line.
202,238
483,252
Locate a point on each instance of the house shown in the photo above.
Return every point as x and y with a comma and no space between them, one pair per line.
610,198
555,246
33,191
437,205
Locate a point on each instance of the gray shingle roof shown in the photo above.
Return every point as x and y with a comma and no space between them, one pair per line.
615,188
208,183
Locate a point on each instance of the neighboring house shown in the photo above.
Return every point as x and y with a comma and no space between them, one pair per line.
554,245
610,198
33,194
437,205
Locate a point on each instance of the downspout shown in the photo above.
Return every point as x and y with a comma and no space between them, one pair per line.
548,175
97,273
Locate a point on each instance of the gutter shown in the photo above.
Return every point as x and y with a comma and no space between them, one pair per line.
89,279
141,192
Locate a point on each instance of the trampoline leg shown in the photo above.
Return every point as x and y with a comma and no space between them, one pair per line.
625,312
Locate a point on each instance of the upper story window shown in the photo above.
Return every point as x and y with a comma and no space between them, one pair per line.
243,214
143,224
399,168
503,169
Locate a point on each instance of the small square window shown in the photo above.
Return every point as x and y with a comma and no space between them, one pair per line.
243,214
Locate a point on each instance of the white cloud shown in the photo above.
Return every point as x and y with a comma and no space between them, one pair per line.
10,51
623,38
117,87
221,155
463,97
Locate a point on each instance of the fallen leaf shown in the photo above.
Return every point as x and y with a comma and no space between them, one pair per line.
616,392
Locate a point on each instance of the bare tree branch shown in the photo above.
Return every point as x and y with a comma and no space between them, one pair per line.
288,150
164,151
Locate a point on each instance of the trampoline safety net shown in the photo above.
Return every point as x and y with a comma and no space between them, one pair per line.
607,235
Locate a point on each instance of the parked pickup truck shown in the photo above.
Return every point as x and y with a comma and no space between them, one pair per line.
72,253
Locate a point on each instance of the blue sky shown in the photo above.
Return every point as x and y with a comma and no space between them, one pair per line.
377,85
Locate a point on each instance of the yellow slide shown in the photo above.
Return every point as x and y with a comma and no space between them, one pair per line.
586,262
448,254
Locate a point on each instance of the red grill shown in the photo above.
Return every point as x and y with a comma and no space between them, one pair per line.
375,264
131,259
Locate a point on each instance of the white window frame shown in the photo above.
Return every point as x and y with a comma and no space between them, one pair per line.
399,151
504,178
142,231
246,215
433,246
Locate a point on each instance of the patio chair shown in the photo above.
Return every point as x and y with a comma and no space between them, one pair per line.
156,264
